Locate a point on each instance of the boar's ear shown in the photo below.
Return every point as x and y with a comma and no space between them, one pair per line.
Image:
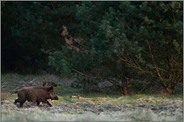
50,88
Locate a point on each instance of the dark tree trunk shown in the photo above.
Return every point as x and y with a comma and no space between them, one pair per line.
124,86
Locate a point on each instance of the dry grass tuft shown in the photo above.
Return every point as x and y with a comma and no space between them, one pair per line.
5,96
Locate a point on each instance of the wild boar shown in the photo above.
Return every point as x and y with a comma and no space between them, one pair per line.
35,94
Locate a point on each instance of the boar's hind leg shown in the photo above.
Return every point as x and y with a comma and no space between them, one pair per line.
21,104
16,101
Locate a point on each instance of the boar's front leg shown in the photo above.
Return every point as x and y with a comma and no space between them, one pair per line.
48,103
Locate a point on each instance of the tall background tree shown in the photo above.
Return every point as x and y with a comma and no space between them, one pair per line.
133,45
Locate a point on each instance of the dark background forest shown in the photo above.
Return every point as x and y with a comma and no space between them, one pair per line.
137,46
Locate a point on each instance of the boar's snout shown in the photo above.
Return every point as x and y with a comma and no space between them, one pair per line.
55,98
52,93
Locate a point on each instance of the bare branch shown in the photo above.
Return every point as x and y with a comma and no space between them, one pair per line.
156,68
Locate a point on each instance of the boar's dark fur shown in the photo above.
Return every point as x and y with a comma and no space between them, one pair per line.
35,94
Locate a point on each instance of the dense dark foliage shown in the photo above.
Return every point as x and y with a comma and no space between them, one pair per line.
131,44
